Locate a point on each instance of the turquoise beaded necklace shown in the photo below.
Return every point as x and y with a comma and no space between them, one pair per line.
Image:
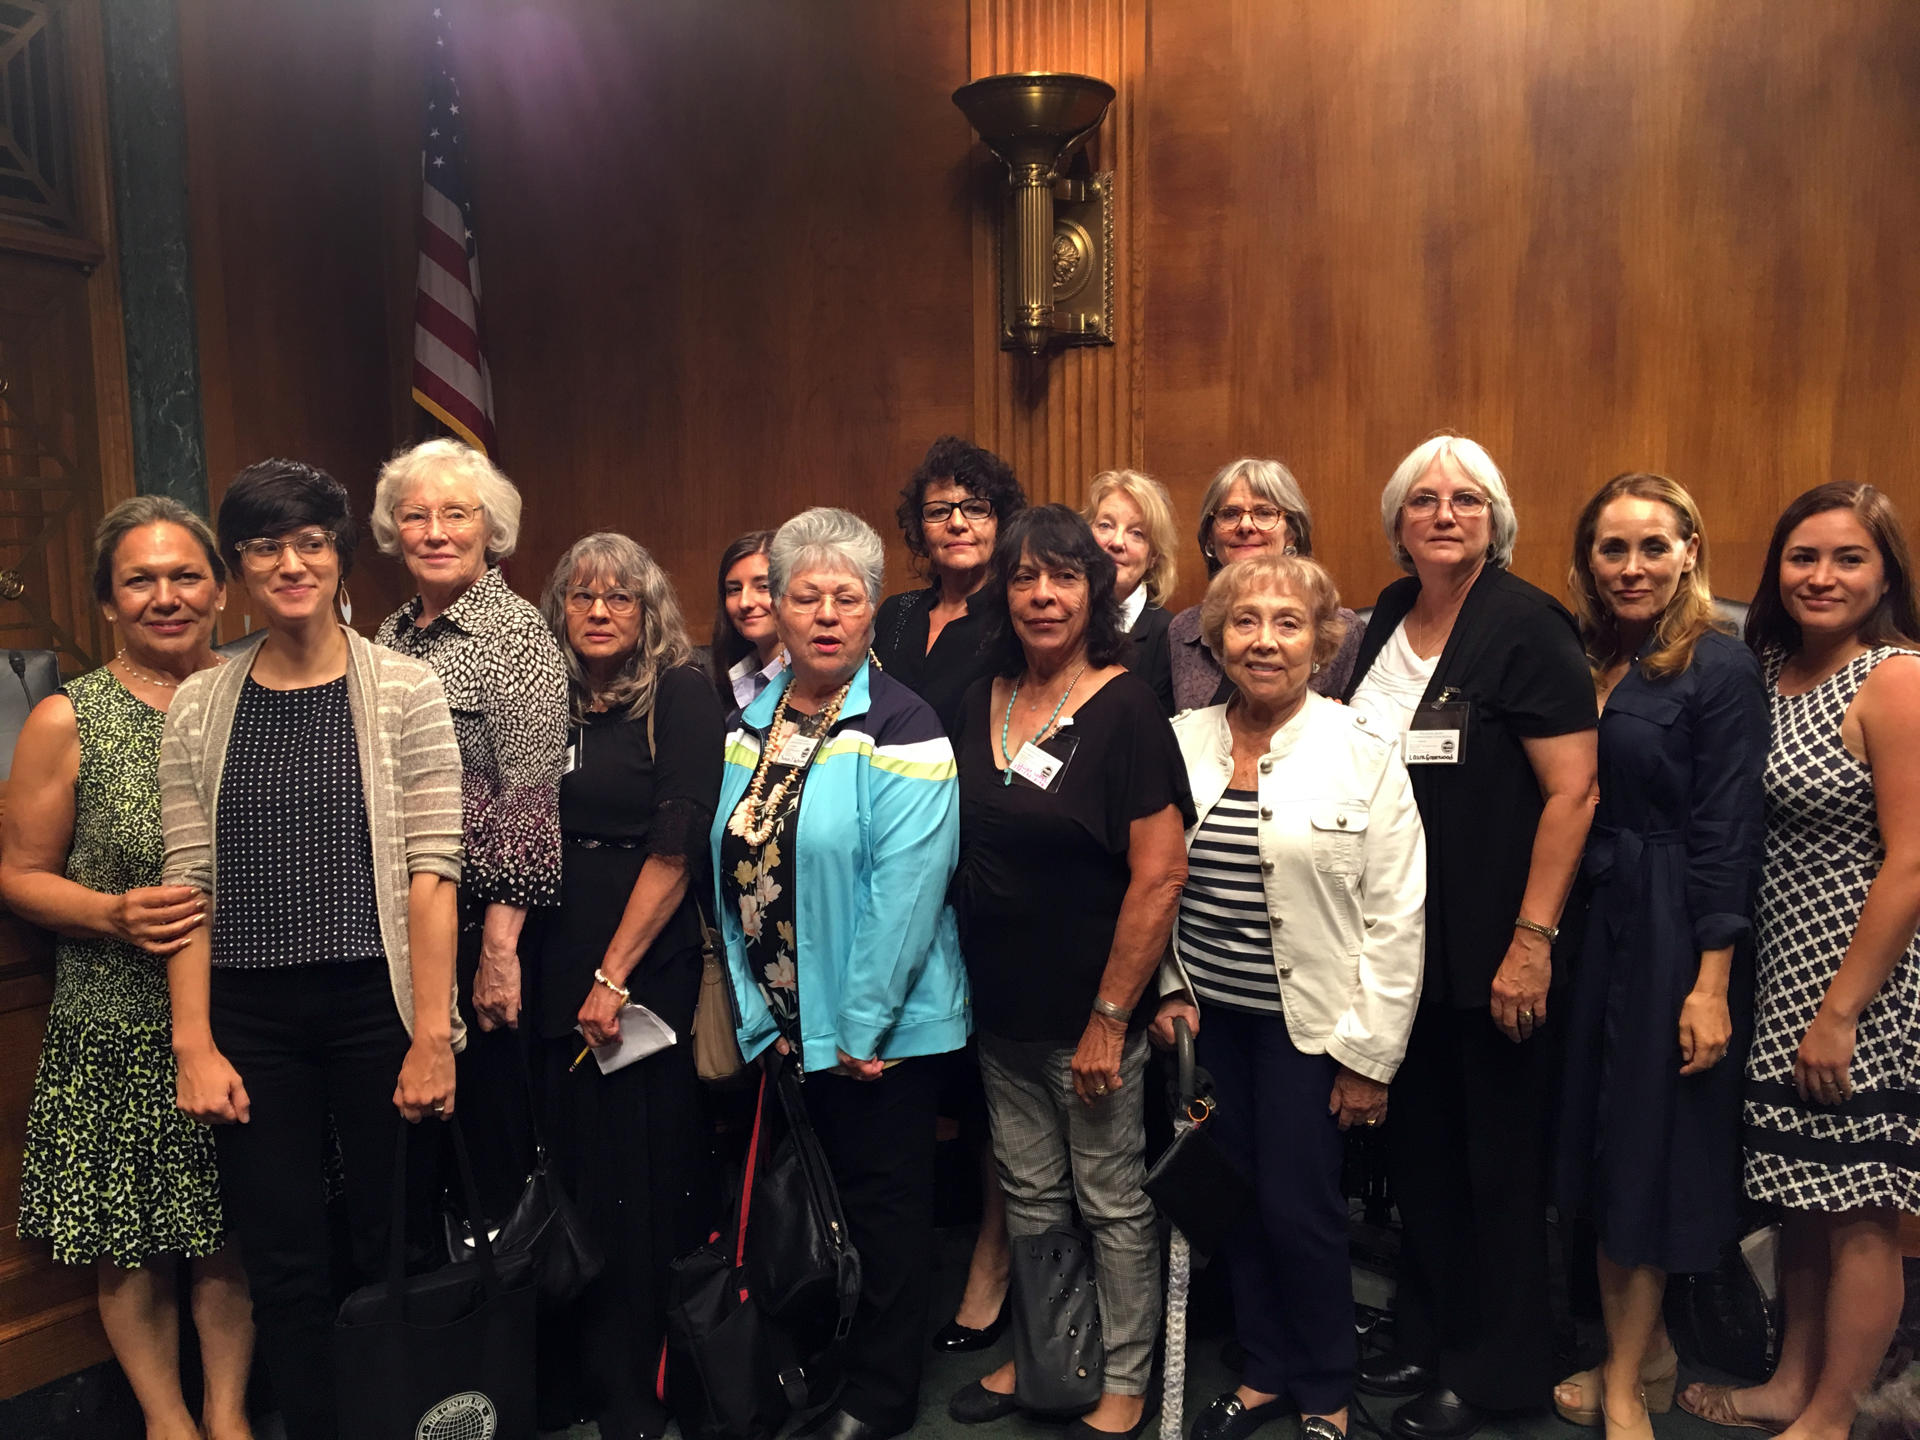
1006,721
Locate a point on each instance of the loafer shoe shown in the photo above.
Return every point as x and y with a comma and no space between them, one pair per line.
1230,1418
1438,1414
956,1339
1392,1374
1081,1430
974,1404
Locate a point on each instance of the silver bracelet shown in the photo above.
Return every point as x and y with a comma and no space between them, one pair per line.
1102,1006
1550,932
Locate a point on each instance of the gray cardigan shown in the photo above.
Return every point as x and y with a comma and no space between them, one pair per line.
409,766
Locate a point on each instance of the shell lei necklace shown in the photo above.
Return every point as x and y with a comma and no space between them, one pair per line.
763,815
1006,775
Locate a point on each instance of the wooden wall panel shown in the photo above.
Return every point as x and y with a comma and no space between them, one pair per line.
1062,417
1671,234
726,262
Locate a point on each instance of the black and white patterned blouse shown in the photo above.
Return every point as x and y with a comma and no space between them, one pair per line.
507,688
294,852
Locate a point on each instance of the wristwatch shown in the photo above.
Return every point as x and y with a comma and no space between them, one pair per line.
1552,932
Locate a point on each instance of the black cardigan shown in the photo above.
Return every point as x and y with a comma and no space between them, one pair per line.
1515,657
1151,654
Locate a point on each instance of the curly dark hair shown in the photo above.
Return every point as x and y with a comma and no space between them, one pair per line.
1894,621
981,473
271,497
1055,535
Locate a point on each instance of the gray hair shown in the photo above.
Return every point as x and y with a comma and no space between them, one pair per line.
1272,482
622,563
131,515
1475,464
827,538
452,460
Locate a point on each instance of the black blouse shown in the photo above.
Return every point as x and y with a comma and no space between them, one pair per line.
1042,872
1514,656
959,657
291,835
619,803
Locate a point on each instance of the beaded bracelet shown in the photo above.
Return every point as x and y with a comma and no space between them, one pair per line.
600,978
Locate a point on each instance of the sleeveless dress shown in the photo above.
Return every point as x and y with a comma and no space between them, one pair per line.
1823,852
111,1170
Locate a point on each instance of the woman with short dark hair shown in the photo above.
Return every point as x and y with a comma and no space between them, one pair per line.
311,796
111,1173
1073,808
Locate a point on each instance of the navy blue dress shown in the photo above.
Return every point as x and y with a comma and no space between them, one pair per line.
1671,862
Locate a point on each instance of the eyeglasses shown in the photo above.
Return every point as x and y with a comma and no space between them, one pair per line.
619,603
844,602
264,554
1467,504
938,512
1264,517
453,518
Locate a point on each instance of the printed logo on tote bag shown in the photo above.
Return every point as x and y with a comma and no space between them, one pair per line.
466,1416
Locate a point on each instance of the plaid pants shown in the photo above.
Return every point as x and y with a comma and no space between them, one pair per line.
1055,1153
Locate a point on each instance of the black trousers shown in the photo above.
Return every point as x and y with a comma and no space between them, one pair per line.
490,1079
1287,1263
311,1042
878,1135
1467,1156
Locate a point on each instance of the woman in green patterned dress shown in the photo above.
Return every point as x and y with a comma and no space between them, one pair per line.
113,1174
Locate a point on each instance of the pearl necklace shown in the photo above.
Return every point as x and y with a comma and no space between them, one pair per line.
762,817
154,680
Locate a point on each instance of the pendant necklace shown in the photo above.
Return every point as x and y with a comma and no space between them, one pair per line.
1006,775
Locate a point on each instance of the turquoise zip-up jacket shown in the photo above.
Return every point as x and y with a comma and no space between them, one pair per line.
878,957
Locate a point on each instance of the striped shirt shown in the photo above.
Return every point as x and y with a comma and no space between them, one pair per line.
1226,940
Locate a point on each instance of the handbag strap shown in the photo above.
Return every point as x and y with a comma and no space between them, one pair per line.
476,1219
746,1182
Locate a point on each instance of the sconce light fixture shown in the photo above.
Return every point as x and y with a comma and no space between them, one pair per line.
1056,260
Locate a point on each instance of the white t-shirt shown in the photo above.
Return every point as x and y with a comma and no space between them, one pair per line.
1394,684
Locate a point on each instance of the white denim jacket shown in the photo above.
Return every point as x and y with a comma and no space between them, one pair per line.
1344,864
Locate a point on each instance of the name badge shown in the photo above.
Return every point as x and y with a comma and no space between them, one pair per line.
1036,767
1433,747
1437,734
797,750
571,762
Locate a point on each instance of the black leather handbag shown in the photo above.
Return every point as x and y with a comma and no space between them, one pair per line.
441,1355
805,1268
733,1371
1060,1360
1197,1185
543,1225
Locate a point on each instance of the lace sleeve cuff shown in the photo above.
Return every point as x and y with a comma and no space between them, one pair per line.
679,830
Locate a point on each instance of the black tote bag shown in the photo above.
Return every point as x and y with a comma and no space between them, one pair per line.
442,1356
805,1269
1196,1184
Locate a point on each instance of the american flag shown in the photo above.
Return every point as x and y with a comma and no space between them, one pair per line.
450,380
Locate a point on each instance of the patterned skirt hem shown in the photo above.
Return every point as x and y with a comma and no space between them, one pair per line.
85,1250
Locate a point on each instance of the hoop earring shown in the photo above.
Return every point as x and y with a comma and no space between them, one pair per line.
344,603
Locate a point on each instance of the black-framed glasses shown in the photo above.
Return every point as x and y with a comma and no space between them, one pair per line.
938,512
263,553
1264,517
619,603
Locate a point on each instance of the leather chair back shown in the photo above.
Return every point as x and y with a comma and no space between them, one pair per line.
36,675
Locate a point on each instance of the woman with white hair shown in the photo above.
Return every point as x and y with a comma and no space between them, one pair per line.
1484,678
1253,507
446,510
636,804
836,834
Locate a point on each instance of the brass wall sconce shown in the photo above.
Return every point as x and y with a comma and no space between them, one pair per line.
1056,255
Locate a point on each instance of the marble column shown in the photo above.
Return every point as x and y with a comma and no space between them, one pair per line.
147,138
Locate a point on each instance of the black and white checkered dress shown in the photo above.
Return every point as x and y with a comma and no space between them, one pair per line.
1823,852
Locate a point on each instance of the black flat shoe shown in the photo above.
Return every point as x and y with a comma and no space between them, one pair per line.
974,1404
1392,1374
1081,1430
1438,1414
1230,1418
957,1339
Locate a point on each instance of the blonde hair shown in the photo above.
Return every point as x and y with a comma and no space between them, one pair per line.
1156,510
454,460
1689,614
1472,461
1292,574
